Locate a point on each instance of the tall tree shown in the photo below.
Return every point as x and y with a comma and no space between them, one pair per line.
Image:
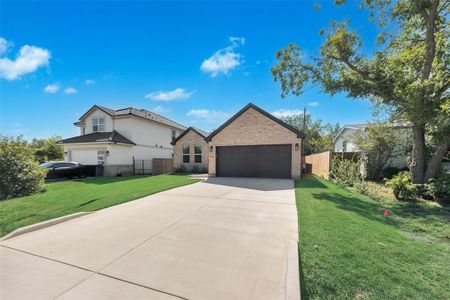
409,71
319,135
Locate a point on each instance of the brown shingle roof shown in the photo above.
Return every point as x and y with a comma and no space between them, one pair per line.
98,137
140,113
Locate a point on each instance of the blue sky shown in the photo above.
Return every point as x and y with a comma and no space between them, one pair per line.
194,62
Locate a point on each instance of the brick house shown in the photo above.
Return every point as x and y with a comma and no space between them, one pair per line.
252,143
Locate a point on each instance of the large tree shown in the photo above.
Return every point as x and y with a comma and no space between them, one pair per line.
409,70
319,135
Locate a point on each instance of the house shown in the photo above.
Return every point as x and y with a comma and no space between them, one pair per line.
252,143
344,141
192,150
117,138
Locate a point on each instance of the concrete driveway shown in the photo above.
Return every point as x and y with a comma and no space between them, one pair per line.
224,238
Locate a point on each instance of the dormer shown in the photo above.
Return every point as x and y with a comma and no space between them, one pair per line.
96,119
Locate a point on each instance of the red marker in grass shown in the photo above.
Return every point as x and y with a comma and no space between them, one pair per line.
386,213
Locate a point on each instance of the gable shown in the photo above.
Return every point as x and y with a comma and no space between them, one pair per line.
252,125
262,119
190,135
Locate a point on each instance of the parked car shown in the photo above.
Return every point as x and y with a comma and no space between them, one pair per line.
65,169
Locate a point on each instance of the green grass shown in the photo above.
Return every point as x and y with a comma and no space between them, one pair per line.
348,249
68,197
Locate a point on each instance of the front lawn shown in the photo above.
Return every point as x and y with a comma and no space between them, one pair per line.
348,249
68,197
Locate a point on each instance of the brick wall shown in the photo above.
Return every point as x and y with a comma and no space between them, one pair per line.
253,128
191,138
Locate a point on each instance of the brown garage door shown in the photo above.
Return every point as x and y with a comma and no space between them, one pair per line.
266,161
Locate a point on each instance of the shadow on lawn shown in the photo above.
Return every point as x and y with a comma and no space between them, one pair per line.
421,212
310,182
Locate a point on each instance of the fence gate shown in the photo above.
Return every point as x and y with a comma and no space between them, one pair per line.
142,166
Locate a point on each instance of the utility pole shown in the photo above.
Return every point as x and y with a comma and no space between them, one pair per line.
304,117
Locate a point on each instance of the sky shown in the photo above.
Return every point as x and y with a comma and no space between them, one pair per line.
196,63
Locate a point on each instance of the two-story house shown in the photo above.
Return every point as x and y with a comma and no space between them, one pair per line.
116,138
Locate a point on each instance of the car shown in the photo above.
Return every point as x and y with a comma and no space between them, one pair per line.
67,169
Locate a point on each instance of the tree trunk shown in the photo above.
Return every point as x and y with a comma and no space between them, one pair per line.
434,165
417,164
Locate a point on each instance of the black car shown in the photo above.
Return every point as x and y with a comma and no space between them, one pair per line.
64,169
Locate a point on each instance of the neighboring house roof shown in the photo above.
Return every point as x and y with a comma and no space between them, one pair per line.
263,112
202,133
98,137
131,111
394,124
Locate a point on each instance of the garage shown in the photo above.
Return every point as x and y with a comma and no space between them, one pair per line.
265,161
254,143
84,156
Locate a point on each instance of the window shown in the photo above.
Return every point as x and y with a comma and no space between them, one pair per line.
186,153
83,131
101,157
344,146
197,153
174,135
98,124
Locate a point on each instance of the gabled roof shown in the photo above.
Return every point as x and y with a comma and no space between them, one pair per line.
131,111
263,112
98,137
395,124
202,133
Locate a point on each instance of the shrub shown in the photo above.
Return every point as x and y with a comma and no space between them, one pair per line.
390,172
439,188
345,172
203,170
402,186
20,174
194,169
180,169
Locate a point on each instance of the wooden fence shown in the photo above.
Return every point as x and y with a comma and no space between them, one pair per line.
320,163
162,165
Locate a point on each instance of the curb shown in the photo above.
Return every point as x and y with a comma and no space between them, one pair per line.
41,225
292,273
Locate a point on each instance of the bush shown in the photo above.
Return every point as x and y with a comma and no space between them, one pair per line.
402,186
194,169
390,172
439,188
180,169
345,172
20,175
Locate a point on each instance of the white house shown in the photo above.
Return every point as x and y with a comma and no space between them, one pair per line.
116,138
344,141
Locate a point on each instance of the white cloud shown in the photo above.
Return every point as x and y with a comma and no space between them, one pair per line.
176,94
70,91
4,45
28,60
283,113
209,115
160,110
224,60
52,88
89,82
314,103
237,41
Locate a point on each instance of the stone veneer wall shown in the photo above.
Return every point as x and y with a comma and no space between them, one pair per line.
254,128
191,138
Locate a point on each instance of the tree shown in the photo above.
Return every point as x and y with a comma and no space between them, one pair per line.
319,136
20,174
47,149
409,71
378,144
